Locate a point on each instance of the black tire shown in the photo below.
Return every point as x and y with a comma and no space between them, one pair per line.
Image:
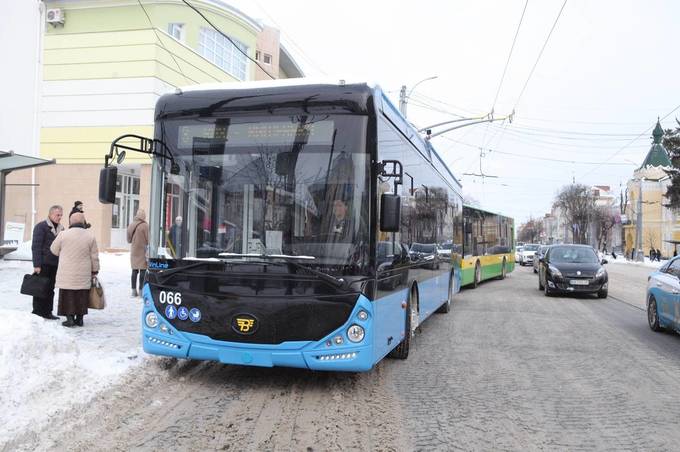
446,307
401,350
653,315
602,293
477,278
535,271
540,284
546,289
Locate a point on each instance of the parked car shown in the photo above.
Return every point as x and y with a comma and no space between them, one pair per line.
425,253
663,297
444,250
539,255
518,251
572,269
526,257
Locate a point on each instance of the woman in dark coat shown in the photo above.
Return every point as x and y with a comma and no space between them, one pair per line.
138,238
78,207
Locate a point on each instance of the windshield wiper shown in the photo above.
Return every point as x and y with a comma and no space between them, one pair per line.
291,259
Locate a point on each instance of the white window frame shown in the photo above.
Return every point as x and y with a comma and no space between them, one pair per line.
221,52
173,26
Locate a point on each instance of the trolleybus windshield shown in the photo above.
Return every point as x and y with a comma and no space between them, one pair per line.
291,185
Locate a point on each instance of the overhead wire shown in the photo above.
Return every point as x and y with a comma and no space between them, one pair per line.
507,62
257,63
160,41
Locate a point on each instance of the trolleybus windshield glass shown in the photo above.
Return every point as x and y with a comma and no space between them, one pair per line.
294,185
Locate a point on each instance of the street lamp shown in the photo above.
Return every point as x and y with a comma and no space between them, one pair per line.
403,97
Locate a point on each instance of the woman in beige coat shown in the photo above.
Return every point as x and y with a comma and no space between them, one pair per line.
78,262
138,237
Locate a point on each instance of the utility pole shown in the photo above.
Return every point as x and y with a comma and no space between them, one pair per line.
402,100
639,253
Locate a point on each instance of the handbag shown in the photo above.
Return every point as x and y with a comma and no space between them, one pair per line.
36,286
97,299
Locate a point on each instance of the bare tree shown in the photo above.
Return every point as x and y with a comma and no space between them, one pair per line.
531,231
604,222
578,204
651,237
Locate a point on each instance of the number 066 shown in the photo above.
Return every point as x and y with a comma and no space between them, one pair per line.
170,297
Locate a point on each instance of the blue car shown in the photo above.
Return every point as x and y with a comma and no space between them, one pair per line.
663,297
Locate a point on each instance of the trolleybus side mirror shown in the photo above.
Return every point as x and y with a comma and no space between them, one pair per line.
390,212
107,184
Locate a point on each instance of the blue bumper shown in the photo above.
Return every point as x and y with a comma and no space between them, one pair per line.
325,354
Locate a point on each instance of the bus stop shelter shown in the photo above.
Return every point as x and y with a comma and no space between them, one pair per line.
9,161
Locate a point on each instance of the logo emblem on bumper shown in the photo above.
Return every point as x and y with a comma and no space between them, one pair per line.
245,324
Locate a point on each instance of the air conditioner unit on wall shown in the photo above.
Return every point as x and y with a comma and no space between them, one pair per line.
55,16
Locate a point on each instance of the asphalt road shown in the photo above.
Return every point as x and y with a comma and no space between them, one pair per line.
507,369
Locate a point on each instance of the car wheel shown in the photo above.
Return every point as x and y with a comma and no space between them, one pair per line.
478,275
546,289
602,293
401,350
653,314
540,285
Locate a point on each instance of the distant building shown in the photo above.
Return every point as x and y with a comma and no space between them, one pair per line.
104,65
648,185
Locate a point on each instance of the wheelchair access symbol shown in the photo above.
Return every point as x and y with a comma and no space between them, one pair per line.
182,313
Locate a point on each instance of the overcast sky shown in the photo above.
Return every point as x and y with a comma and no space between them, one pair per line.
608,70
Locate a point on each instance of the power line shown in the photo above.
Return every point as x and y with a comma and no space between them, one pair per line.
545,43
507,62
630,142
158,38
228,38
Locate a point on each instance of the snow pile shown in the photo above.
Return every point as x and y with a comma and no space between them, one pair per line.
647,263
46,368
22,253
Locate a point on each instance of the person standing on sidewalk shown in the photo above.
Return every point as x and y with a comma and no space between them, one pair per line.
138,237
78,206
44,262
78,263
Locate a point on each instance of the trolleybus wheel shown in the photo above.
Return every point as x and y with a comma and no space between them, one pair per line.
446,307
401,350
478,275
504,271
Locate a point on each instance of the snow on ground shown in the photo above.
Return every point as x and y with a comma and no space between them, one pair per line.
46,368
647,263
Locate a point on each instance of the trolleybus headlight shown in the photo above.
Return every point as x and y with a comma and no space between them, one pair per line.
338,340
151,320
164,328
362,315
355,333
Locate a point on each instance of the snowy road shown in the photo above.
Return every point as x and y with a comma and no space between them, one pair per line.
507,369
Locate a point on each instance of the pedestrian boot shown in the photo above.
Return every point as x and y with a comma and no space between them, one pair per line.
51,317
70,322
79,320
134,293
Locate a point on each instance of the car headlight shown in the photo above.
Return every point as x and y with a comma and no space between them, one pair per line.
355,333
554,271
151,320
601,272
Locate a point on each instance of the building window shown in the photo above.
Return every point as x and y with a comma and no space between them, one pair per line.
257,55
176,31
267,58
219,50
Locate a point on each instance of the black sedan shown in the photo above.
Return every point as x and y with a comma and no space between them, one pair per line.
572,269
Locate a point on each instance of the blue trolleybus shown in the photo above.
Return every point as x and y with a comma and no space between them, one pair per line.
299,225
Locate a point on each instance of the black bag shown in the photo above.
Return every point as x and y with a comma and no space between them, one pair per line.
36,286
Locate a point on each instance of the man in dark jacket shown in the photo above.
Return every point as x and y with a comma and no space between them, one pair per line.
44,262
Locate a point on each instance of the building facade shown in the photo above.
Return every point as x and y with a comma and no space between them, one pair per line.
104,65
645,196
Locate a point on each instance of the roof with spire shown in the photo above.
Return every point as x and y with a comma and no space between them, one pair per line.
657,155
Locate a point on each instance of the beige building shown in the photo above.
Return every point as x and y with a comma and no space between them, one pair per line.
104,64
645,195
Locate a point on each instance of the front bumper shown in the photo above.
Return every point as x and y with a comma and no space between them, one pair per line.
563,285
324,354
